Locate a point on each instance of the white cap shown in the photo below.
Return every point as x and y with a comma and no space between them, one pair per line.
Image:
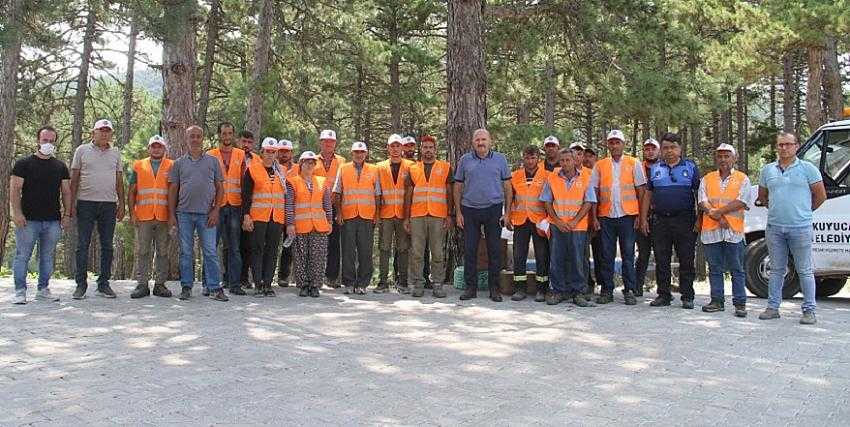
327,134
409,140
102,123
616,134
308,155
156,139
551,139
284,144
395,138
726,147
576,145
358,146
269,143
652,141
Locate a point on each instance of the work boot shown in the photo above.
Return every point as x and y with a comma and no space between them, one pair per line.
605,298
629,298
540,295
714,306
553,298
581,301
304,291
80,292
439,291
660,301
185,293
740,310
688,304
417,292
403,289
105,291
808,318
469,293
769,313
159,290
519,293
141,291
382,288
495,295
237,290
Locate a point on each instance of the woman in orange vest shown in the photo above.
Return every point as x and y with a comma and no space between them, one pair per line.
526,212
308,218
263,215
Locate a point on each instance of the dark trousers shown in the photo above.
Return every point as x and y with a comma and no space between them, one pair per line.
284,268
473,221
89,214
357,240
618,230
523,235
595,249
568,269
334,240
644,249
674,232
229,230
264,241
245,244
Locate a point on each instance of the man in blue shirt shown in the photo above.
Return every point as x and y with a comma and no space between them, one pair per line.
673,183
797,189
482,185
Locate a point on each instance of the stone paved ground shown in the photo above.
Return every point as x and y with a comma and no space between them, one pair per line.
383,359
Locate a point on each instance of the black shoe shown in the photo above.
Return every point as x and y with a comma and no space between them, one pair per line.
80,292
688,304
283,283
469,294
605,298
185,293
629,298
714,306
553,298
304,292
105,291
519,295
219,295
660,301
141,291
581,301
237,290
740,310
314,292
206,292
495,296
159,290
540,296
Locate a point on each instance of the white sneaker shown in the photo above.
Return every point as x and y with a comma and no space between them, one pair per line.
20,297
45,295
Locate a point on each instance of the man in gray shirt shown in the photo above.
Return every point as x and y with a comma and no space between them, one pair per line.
195,191
97,187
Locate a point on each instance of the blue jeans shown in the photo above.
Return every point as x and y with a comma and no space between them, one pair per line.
46,233
798,241
613,230
230,229
473,220
723,257
90,214
567,269
187,224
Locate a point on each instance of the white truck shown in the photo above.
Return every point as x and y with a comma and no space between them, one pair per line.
829,150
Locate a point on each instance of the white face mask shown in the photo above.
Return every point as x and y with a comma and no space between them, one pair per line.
47,149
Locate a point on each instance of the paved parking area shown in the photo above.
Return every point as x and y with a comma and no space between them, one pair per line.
384,359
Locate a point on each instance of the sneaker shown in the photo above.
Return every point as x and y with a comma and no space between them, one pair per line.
439,291
605,298
304,291
159,290
45,295
714,306
105,291
553,298
581,301
417,293
382,288
808,318
360,291
237,290
688,304
80,292
141,291
629,298
20,298
769,313
185,293
519,295
740,310
314,292
660,301
219,295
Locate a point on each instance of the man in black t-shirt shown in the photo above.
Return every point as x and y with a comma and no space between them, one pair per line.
37,184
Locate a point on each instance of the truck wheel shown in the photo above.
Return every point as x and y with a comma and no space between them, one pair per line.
756,262
829,286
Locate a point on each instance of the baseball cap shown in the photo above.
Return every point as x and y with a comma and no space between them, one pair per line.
327,134
409,140
616,134
308,155
726,147
652,141
269,143
395,138
551,139
577,146
284,144
358,146
102,123
156,139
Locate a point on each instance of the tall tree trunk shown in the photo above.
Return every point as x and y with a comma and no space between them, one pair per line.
772,102
83,77
549,111
395,76
254,119
358,101
11,58
832,80
213,27
798,111
741,133
523,113
788,90
127,114
815,113
466,82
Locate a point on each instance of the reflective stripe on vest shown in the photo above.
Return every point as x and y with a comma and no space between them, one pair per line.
151,191
628,193
718,199
358,193
527,204
392,192
567,202
232,175
268,199
429,195
309,213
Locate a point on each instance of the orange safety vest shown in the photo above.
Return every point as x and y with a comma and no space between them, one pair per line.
567,202
358,193
151,191
269,197
291,171
628,193
392,193
429,194
526,204
232,175
330,172
309,213
719,199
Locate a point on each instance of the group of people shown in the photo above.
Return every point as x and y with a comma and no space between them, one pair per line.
323,211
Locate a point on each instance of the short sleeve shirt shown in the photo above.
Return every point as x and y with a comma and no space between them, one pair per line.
42,187
673,188
197,179
548,196
482,178
789,193
616,204
98,168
